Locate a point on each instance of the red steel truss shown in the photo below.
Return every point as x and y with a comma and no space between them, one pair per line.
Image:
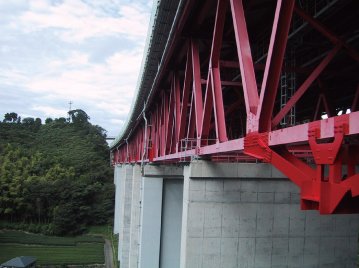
216,100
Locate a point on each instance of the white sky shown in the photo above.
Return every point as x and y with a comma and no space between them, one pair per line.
86,51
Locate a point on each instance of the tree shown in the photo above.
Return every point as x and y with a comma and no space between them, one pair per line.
48,120
56,173
79,116
28,121
61,120
10,117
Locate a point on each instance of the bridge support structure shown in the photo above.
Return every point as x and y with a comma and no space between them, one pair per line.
209,214
216,95
267,92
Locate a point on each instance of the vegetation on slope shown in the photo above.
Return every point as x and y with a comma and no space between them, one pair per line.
55,177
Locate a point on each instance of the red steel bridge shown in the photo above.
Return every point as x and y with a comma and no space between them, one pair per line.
273,81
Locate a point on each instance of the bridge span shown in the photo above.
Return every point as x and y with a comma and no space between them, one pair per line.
242,145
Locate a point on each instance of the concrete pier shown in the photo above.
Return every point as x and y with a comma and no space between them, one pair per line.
135,217
224,215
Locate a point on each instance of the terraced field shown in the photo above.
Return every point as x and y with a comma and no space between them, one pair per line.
86,249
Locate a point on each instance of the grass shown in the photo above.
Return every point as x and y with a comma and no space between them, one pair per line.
80,254
52,250
107,232
102,230
10,236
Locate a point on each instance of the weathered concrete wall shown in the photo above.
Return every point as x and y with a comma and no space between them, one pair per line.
116,225
233,215
171,225
120,180
125,215
255,221
151,212
135,217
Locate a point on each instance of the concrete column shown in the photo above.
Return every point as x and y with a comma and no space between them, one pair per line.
120,204
171,223
117,171
135,217
150,236
124,235
248,215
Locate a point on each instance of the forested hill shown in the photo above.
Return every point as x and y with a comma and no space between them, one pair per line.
55,176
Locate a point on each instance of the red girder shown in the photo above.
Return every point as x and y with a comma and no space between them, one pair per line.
277,46
305,86
186,120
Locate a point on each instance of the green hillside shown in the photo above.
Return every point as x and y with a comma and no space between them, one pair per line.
55,177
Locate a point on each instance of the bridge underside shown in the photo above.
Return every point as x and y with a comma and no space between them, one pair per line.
271,81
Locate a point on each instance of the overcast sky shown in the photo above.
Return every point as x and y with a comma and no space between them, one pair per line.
85,51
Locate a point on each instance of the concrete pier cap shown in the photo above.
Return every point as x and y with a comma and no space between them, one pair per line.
207,214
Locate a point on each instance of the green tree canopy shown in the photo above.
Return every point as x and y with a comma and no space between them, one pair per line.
10,117
56,173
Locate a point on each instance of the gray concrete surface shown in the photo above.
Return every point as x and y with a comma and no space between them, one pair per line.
256,222
126,219
151,213
171,226
117,199
135,217
233,215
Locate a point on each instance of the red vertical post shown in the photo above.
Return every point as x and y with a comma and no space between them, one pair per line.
272,71
164,120
153,134
192,119
171,111
176,85
214,86
197,88
207,111
158,131
185,97
220,120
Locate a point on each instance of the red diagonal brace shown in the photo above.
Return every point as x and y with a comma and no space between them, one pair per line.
306,84
327,33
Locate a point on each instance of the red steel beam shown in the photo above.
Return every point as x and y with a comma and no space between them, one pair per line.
185,97
304,87
176,88
207,111
225,83
170,123
219,118
272,72
174,119
290,135
327,33
197,87
213,95
245,62
192,119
